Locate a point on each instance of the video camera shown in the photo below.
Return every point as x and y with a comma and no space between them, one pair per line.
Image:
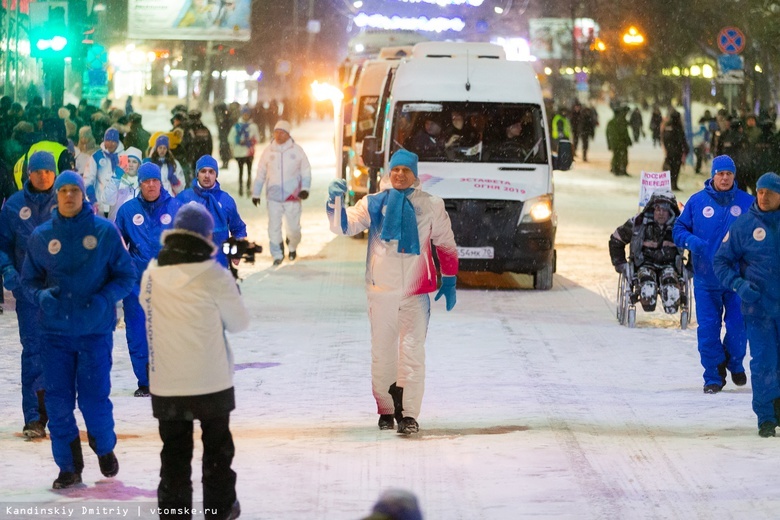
240,249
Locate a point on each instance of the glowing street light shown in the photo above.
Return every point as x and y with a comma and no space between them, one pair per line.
633,37
598,45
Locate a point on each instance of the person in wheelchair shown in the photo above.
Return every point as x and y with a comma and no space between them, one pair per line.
656,259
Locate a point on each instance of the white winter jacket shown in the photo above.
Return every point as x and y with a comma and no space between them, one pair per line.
387,270
98,174
188,309
240,151
285,169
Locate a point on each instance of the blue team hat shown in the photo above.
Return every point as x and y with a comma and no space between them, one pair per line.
162,141
149,170
404,158
207,161
41,161
195,218
723,163
769,181
69,177
112,134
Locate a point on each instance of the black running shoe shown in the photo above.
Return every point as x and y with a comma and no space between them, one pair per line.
235,511
109,466
293,255
34,430
712,389
278,261
767,429
739,379
386,422
407,426
66,479
143,391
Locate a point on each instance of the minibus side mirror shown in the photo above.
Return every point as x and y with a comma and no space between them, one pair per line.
372,157
563,160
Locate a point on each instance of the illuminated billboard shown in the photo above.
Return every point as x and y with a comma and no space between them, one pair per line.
219,20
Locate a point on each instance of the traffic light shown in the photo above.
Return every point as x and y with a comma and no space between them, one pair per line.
49,35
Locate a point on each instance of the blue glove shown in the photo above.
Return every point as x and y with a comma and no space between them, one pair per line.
447,289
10,278
337,188
747,291
696,245
47,299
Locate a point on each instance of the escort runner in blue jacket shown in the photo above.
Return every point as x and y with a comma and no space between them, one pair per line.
21,214
205,190
704,222
77,268
141,221
748,263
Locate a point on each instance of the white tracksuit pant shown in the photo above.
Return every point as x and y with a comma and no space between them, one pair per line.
291,211
399,326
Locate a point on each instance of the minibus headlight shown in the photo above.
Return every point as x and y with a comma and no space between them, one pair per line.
538,209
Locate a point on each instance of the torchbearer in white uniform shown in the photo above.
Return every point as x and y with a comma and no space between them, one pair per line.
403,222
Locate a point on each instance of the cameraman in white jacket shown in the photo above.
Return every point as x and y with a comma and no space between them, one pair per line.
190,300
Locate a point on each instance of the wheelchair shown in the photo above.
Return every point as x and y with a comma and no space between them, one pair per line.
628,293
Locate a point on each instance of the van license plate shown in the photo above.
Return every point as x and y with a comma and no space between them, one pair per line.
475,252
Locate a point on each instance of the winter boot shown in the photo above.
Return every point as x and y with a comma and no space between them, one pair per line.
739,379
34,430
767,429
292,255
722,372
235,511
712,389
397,394
68,479
43,416
143,391
407,426
109,465
386,422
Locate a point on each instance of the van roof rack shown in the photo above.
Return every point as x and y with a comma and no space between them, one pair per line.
458,50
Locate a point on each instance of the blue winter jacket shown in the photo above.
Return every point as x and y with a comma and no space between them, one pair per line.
22,213
82,257
222,207
751,251
704,222
141,223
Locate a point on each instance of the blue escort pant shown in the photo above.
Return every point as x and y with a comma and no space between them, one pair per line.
78,368
711,304
32,363
764,335
135,331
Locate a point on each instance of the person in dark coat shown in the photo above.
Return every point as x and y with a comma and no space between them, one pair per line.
618,141
649,236
748,264
137,137
676,146
656,119
636,124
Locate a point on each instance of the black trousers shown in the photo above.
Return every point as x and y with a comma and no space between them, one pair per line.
219,481
241,162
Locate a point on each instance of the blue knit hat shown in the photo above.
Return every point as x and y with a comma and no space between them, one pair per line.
398,504
162,141
723,163
67,178
41,161
112,134
207,161
195,218
769,181
148,171
404,158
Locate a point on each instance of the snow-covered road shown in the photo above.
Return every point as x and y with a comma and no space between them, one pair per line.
537,404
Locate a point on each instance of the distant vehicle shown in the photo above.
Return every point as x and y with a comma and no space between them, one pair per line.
478,123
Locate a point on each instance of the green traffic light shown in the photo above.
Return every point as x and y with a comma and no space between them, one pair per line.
55,44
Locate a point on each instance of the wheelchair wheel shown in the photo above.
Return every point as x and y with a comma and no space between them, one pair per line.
622,298
687,308
684,319
631,317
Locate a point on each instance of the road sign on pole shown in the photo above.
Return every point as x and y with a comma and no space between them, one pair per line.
731,40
